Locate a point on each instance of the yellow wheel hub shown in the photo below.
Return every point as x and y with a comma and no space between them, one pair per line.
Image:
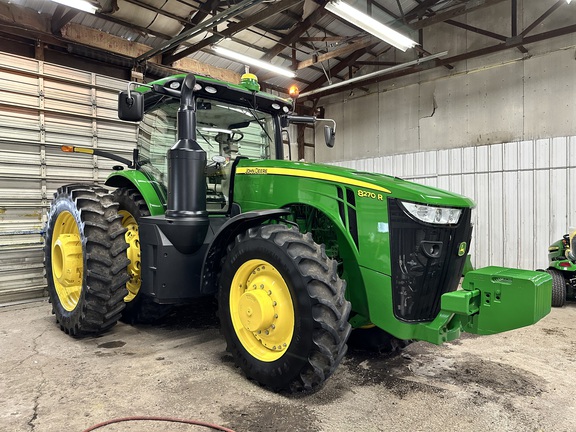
133,252
261,310
67,260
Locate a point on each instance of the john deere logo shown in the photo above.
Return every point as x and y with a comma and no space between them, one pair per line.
462,249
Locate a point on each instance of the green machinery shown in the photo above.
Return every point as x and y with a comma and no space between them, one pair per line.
297,254
562,268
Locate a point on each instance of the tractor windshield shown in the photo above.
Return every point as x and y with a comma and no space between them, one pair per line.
224,131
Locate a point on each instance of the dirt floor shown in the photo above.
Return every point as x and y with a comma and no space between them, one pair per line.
517,381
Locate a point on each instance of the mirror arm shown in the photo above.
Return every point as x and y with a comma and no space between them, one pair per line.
328,120
134,83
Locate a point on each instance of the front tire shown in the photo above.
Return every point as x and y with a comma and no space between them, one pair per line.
85,260
558,288
282,308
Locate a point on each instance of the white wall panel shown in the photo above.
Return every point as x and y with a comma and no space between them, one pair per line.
44,106
525,193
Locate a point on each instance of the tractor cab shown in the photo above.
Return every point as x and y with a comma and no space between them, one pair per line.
232,121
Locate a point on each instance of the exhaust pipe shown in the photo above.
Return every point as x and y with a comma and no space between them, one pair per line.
186,213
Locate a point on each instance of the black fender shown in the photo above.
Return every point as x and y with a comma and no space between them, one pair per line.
217,249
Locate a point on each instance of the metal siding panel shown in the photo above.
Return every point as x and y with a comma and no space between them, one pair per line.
483,220
558,153
510,156
496,229
571,183
468,159
526,223
542,153
482,159
511,233
443,157
42,107
541,217
526,155
559,222
408,165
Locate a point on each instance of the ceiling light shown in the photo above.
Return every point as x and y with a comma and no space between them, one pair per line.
83,5
241,58
369,24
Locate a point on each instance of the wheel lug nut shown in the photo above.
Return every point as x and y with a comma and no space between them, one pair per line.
267,332
276,316
261,285
273,326
269,292
274,304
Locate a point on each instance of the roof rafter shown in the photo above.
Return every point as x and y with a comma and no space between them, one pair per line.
296,33
234,28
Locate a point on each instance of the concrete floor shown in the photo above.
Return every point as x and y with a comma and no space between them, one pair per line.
517,381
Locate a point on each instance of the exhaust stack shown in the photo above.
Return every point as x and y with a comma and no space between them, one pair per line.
186,213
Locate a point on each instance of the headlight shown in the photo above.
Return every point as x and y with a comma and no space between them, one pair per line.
433,215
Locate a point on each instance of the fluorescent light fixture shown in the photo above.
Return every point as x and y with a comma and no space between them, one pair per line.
83,5
369,24
241,58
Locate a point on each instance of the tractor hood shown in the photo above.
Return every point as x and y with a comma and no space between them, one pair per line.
371,182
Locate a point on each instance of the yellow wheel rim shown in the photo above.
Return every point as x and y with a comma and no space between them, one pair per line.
133,253
67,260
261,310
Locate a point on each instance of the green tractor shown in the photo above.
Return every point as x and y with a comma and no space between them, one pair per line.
562,268
297,254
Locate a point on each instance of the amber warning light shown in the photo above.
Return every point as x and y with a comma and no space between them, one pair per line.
293,91
67,149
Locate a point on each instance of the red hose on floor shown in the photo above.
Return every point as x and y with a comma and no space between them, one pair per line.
161,419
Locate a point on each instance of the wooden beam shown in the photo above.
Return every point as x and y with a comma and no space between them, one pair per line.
367,41
104,41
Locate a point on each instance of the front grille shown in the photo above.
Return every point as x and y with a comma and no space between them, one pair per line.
425,262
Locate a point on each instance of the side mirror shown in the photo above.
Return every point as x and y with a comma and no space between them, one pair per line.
130,106
329,136
329,131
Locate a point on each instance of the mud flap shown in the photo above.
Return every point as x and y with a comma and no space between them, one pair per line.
507,299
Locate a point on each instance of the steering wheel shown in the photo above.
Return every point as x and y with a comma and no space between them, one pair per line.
234,133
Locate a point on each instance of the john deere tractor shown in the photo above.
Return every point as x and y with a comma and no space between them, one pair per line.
562,268
297,254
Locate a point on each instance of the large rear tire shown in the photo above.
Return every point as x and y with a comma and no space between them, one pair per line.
282,308
558,288
139,309
85,260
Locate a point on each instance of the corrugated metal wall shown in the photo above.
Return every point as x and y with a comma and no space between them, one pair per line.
44,106
525,193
